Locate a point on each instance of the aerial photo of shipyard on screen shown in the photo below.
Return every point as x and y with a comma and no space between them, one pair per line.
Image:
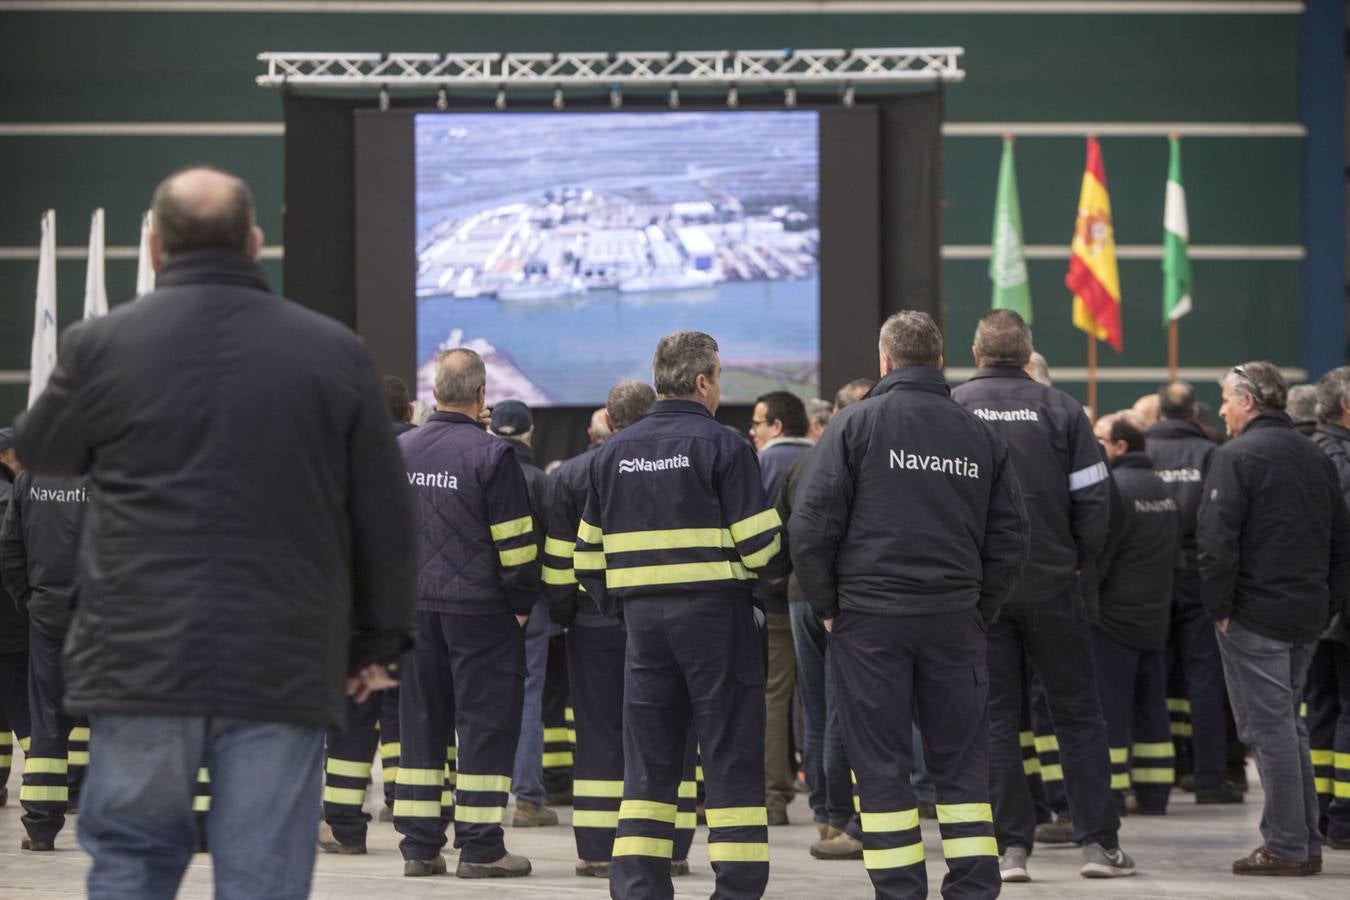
562,246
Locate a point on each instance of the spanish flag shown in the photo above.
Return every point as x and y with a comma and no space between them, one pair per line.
1092,269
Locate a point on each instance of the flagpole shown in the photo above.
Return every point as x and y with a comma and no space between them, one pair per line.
1092,376
1172,329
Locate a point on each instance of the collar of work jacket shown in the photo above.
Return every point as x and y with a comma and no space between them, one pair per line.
667,407
912,378
788,441
454,418
1135,459
1169,429
1275,419
211,266
1334,431
522,451
1000,372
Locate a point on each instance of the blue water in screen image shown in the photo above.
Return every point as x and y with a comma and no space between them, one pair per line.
562,246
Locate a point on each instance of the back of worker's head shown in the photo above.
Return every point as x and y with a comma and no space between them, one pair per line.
1002,340
852,392
628,401
203,208
396,398
911,338
1176,400
460,376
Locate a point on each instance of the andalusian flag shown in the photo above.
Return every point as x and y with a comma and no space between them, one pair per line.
1176,237
1092,270
1007,264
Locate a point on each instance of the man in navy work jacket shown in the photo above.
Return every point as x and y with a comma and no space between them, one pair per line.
244,553
478,579
675,524
1274,538
907,535
1067,489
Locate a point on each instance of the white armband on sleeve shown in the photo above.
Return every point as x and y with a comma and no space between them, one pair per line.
1086,478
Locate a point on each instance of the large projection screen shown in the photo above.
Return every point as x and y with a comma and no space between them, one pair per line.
564,244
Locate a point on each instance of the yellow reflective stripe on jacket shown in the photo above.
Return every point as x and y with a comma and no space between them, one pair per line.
686,821
675,573
963,813
956,848
588,533
499,783
761,557
557,759
757,524
893,858
559,548
737,817
1120,781
733,851
648,809
550,575
874,822
512,528
668,539
203,775
643,846
518,555
201,804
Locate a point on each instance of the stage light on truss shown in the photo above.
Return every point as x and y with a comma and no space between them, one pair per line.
850,97
790,98
558,98
615,96
674,98
384,99
442,99
500,102
733,97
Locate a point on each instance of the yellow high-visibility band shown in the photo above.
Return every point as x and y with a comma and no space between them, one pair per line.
686,821
1026,738
201,804
877,822
79,733
344,796
1052,773
589,561
512,528
688,789
643,846
417,809
6,760
1031,766
956,848
1180,729
737,817
203,775
1047,743
589,534
1341,760
518,556
1322,757
348,768
595,818
648,809
569,715
1324,785
77,757
558,760
448,800
39,765
562,577
894,858
394,748
1120,755
480,815
584,787
757,524
729,851
421,777
24,743
499,783
760,558
1120,781
560,549
451,752
1178,704
558,733
668,539
963,813
1156,750
41,793
1341,790
675,573
1153,775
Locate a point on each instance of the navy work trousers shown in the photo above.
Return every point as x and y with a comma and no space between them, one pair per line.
1196,670
48,784
348,764
1132,684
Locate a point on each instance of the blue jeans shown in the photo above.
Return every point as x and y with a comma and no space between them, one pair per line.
823,757
136,818
527,777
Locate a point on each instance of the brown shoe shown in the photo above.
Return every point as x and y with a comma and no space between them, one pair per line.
777,815
841,846
36,845
592,868
509,866
1263,862
329,843
532,815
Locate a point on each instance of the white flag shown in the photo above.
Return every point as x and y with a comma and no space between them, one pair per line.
44,311
95,287
145,272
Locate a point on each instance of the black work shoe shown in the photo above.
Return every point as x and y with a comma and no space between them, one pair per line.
1338,843
1224,793
36,845
417,868
509,866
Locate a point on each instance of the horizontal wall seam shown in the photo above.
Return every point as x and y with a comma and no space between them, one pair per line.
110,253
677,7
1229,252
949,129
1108,374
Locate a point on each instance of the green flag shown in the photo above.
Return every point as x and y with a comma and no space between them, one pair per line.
1176,236
1007,265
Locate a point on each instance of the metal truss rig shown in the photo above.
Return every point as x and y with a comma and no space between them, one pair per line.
716,68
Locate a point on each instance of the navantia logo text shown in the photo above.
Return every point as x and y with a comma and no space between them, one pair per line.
679,461
945,465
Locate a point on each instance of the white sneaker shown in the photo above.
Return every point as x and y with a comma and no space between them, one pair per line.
1012,865
1098,862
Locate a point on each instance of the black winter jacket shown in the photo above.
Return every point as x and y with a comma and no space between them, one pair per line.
1335,443
248,539
567,604
13,624
908,506
775,462
40,549
478,550
1180,451
1135,586
1274,533
1059,467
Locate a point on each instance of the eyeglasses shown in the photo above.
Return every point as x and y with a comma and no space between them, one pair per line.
758,423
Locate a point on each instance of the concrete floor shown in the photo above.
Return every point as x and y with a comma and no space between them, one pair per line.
1186,854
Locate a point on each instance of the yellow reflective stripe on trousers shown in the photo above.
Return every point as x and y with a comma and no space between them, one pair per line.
643,846
45,766
875,823
757,524
201,804
588,533
511,528
650,809
39,793
583,787
557,759
589,561
348,768
480,815
668,539
761,557
675,573
595,818
24,742
79,733
1120,781
1178,704
893,858
561,549
518,556
686,821
1046,743
962,813
550,575
500,783
1052,772
203,775
1341,760
956,848
731,851
344,796
78,757
417,809
1026,738
390,750
559,733
1341,790
737,817
688,789
1322,757
6,760
1120,755
1156,750
421,777
1153,775
1031,766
